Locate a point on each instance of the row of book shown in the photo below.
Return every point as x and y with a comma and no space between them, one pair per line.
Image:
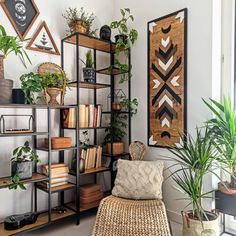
59,175
90,116
92,157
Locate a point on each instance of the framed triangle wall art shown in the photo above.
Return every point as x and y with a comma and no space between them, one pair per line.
42,41
22,15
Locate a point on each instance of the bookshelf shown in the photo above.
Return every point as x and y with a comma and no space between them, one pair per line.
74,210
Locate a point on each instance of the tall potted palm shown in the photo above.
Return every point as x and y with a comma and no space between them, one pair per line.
8,44
223,130
193,160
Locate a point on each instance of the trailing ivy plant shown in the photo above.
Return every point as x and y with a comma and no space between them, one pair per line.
124,43
53,80
12,44
16,182
130,105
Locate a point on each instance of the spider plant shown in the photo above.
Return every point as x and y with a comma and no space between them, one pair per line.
12,44
194,159
223,129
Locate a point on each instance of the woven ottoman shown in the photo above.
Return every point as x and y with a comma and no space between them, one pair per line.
123,217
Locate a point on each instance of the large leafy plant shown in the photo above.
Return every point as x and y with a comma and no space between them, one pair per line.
223,130
12,44
32,83
193,160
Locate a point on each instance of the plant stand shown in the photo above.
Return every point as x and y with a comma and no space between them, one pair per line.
225,203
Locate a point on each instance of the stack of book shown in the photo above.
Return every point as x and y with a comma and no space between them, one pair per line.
92,157
59,175
90,196
90,116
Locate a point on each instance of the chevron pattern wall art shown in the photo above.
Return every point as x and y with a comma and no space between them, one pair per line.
167,79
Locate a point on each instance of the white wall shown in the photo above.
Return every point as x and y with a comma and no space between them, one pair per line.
200,82
50,11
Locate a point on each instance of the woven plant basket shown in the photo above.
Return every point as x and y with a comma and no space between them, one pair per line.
79,27
123,217
193,227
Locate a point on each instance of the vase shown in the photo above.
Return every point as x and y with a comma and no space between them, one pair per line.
6,85
23,169
89,75
53,94
194,227
79,27
115,148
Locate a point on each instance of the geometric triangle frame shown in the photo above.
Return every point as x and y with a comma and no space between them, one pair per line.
29,46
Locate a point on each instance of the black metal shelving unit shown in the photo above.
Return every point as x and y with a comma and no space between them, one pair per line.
73,209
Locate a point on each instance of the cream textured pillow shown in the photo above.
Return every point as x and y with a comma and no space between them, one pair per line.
139,179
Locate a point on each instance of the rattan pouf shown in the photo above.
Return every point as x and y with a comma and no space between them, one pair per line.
123,217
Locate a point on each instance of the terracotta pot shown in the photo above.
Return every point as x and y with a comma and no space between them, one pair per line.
117,148
193,227
79,27
53,94
226,188
116,106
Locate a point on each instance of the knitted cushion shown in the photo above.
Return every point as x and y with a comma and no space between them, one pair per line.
139,179
123,217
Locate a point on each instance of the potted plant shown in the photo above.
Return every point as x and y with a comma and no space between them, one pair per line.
193,160
80,21
89,71
114,134
54,84
124,39
22,165
8,44
223,130
31,84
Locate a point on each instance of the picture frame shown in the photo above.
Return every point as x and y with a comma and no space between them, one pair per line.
22,15
167,79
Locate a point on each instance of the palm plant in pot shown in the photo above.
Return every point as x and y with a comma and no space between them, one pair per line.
193,160
89,71
22,165
8,45
223,130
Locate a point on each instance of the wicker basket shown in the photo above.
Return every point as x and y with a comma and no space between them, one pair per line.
123,217
79,27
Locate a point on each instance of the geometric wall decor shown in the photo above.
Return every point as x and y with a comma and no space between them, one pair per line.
42,41
22,14
167,79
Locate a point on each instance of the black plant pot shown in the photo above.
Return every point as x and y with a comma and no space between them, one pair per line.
123,37
24,169
18,96
89,75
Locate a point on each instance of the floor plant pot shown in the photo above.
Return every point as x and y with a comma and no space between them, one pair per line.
89,75
53,94
79,27
23,169
117,148
123,38
194,227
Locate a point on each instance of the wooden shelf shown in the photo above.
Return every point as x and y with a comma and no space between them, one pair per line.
41,222
28,106
87,85
113,71
6,181
23,134
92,171
91,42
116,112
59,188
102,127
44,149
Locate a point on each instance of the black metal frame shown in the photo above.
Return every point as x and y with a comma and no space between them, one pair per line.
185,71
